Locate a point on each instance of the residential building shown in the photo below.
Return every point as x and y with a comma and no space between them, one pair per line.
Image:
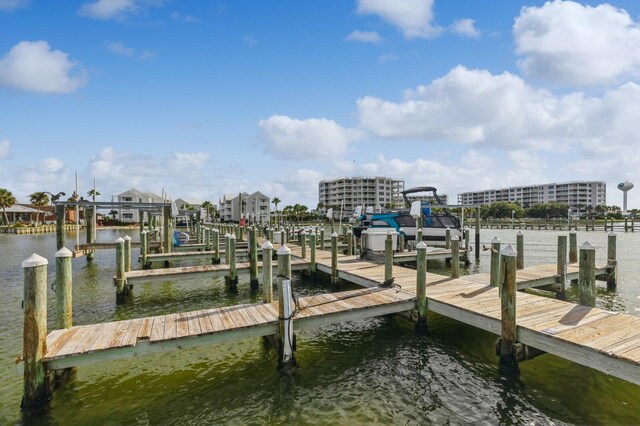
255,207
377,192
580,196
444,198
133,195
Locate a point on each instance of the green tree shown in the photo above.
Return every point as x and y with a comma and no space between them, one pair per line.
39,199
501,209
6,200
93,194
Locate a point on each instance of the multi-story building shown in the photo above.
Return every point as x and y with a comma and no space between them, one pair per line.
133,195
444,198
254,207
579,195
377,192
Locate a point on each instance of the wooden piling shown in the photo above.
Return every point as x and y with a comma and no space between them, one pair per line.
168,235
64,289
60,234
349,243
467,243
231,252
285,308
312,252
127,253
216,246
573,247
321,242
447,238
34,344
303,244
418,235
587,275
520,250
120,268
267,272
455,257
334,258
561,268
144,248
508,308
612,262
253,256
421,285
477,233
494,272
388,257
401,240
89,216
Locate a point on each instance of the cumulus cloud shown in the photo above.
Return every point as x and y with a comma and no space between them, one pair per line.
413,17
5,146
466,28
566,43
187,19
115,9
314,138
49,174
388,57
9,5
121,49
34,67
364,36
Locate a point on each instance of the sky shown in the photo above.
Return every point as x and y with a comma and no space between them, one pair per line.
202,98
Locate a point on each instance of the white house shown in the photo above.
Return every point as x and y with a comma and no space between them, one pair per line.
133,195
255,207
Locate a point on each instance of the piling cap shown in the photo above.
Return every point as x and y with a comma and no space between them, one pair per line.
520,234
283,250
267,245
495,240
509,251
448,227
611,234
455,238
232,237
34,260
64,252
401,230
127,238
421,245
303,232
119,240
334,235
587,246
227,235
418,229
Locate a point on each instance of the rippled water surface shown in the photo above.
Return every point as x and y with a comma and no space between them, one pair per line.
375,371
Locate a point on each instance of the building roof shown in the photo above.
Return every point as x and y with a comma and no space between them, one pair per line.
17,208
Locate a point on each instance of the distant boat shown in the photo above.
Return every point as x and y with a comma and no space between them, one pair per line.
433,225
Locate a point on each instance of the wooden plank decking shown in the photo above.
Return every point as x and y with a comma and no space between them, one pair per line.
604,340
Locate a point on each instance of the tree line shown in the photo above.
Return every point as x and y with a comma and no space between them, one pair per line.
505,209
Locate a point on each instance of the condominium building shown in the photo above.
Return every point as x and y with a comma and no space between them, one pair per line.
348,193
444,198
254,207
579,195
133,195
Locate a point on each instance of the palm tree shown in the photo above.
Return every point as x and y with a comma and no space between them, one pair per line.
93,194
206,206
39,199
6,200
276,201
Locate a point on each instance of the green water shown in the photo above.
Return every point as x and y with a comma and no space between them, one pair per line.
375,371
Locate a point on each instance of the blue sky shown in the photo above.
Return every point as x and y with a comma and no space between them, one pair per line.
205,98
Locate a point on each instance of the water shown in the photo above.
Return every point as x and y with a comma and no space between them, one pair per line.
375,371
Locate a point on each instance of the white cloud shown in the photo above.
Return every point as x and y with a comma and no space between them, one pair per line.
314,138
119,49
466,28
388,57
566,43
5,146
412,17
364,36
107,9
33,66
9,5
188,19
49,174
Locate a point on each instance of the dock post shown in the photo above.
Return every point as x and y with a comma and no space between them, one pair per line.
573,247
141,227
467,243
401,240
205,238
34,344
349,242
227,243
612,262
303,243
285,308
127,253
587,275
253,256
312,252
520,250
418,235
477,234
321,242
447,238
89,214
267,272
561,268
240,233
120,281
198,232
421,285
216,246
388,257
508,360
60,226
231,252
168,237
144,248
455,257
64,289
209,243
494,272
626,225
334,258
